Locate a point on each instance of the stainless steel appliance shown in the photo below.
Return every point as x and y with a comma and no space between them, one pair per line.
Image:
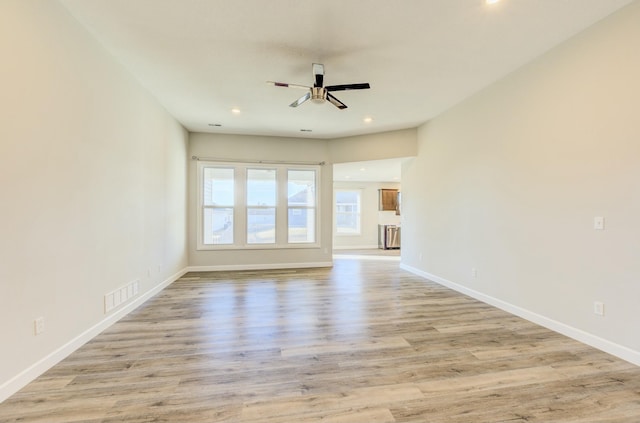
388,237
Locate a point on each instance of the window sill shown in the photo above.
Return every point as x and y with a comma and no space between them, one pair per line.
300,246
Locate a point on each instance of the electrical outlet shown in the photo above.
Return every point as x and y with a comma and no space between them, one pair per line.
38,325
598,308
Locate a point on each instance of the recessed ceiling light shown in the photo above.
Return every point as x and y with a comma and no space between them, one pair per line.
235,111
368,119
491,1
215,124
362,169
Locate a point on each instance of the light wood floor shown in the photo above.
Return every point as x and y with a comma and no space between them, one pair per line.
362,342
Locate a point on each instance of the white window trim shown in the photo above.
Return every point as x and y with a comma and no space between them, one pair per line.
240,207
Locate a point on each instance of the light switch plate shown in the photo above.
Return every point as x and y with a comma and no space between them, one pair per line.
598,223
598,308
38,325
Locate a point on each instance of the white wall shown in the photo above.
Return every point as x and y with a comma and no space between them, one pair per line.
383,145
247,147
509,182
370,216
93,185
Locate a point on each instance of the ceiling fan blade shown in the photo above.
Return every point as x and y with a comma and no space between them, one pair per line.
339,104
345,87
301,100
318,74
284,84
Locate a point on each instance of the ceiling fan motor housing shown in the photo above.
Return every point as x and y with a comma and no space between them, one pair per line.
318,94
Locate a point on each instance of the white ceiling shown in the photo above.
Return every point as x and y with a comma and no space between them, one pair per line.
201,58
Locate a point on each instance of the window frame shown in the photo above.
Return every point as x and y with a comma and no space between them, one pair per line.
314,208
241,206
206,207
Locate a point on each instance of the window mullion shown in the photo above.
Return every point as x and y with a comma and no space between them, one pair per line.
240,211
281,207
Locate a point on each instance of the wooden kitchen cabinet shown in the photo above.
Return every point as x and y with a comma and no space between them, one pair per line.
388,199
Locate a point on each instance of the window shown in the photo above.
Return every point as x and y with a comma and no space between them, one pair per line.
257,206
301,201
261,206
348,212
218,193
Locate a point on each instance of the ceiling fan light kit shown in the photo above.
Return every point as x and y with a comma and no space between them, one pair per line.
319,93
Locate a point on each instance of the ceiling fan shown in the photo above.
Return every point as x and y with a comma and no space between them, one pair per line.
319,93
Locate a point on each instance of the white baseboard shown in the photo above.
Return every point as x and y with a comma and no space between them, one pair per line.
265,266
19,381
365,257
355,247
602,344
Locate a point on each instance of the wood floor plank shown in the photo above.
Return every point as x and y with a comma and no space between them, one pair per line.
492,380
358,398
360,342
332,347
